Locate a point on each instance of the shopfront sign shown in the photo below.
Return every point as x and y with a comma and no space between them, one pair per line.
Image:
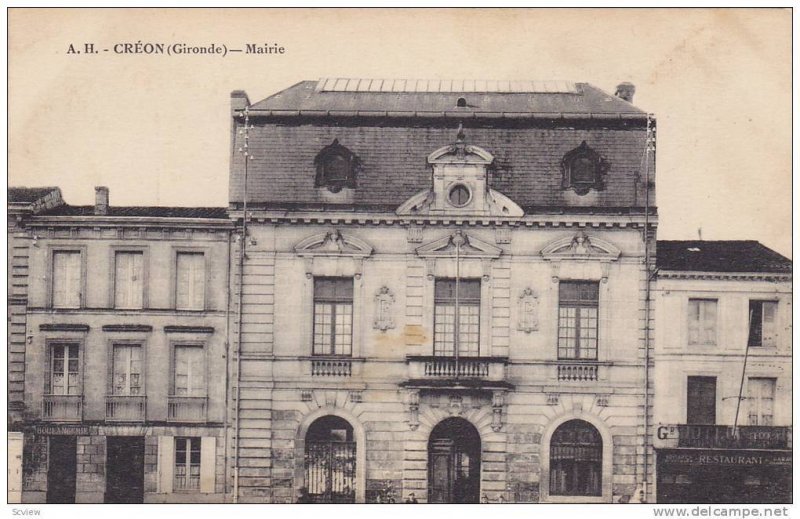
63,430
724,457
722,437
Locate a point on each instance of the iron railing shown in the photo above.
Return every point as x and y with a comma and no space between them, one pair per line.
187,408
126,408
62,408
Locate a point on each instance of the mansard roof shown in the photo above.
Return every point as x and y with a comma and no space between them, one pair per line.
28,195
719,256
440,98
141,211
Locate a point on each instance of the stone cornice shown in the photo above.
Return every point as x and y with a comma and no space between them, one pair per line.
729,276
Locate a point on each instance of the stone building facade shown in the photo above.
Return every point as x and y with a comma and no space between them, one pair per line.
384,216
125,354
723,373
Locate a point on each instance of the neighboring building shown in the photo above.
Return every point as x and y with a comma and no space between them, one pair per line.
22,203
444,292
723,313
125,355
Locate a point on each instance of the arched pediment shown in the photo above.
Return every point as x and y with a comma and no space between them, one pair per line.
461,153
333,243
468,247
581,247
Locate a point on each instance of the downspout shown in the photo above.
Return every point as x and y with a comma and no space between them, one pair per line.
227,357
242,247
649,146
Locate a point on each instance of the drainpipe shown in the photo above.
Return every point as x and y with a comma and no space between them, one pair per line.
227,358
649,146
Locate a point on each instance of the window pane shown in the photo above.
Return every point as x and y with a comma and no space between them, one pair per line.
189,377
577,320
333,316
582,170
702,321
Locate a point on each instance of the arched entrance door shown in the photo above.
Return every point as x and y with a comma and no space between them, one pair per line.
454,462
330,461
576,460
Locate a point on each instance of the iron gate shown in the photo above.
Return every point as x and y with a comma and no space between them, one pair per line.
331,471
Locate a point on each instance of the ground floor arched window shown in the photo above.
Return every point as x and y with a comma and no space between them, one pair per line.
330,461
576,460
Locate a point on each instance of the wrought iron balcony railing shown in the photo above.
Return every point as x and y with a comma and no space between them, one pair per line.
187,409
62,408
126,408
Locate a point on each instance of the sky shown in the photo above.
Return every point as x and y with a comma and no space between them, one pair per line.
155,129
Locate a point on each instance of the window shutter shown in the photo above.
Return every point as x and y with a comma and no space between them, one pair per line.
182,282
208,466
709,322
166,463
74,279
136,293
59,279
198,281
769,328
121,281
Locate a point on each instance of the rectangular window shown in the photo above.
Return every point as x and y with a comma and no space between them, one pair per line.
187,464
333,316
462,329
189,371
701,400
762,323
129,279
577,319
190,282
66,279
127,370
64,376
702,321
761,399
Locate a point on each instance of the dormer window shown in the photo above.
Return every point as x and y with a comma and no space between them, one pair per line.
583,169
336,167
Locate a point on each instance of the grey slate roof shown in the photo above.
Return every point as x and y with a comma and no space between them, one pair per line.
141,211
418,97
719,256
28,194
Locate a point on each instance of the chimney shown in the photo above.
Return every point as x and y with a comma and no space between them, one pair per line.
625,91
239,101
101,200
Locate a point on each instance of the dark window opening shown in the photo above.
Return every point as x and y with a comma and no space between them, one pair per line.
701,400
459,195
576,460
583,169
336,167
762,323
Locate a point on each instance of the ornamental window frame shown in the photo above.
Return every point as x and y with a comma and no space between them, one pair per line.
323,162
599,167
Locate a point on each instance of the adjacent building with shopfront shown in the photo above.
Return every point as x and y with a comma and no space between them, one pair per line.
443,292
124,353
723,364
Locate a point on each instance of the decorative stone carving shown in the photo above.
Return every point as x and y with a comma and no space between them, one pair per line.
580,248
414,234
384,308
601,400
528,311
502,235
552,399
456,406
463,244
333,243
355,396
498,402
305,396
413,410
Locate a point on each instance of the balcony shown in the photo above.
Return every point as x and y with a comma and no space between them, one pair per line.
467,372
125,408
572,371
331,367
62,408
187,409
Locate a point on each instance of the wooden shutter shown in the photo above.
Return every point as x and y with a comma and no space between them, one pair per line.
66,279
128,280
208,465
190,282
709,320
166,463
769,328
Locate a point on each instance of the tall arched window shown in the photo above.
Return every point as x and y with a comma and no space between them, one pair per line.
576,460
330,463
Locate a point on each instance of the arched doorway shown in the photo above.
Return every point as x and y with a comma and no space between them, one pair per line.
330,461
576,460
454,462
